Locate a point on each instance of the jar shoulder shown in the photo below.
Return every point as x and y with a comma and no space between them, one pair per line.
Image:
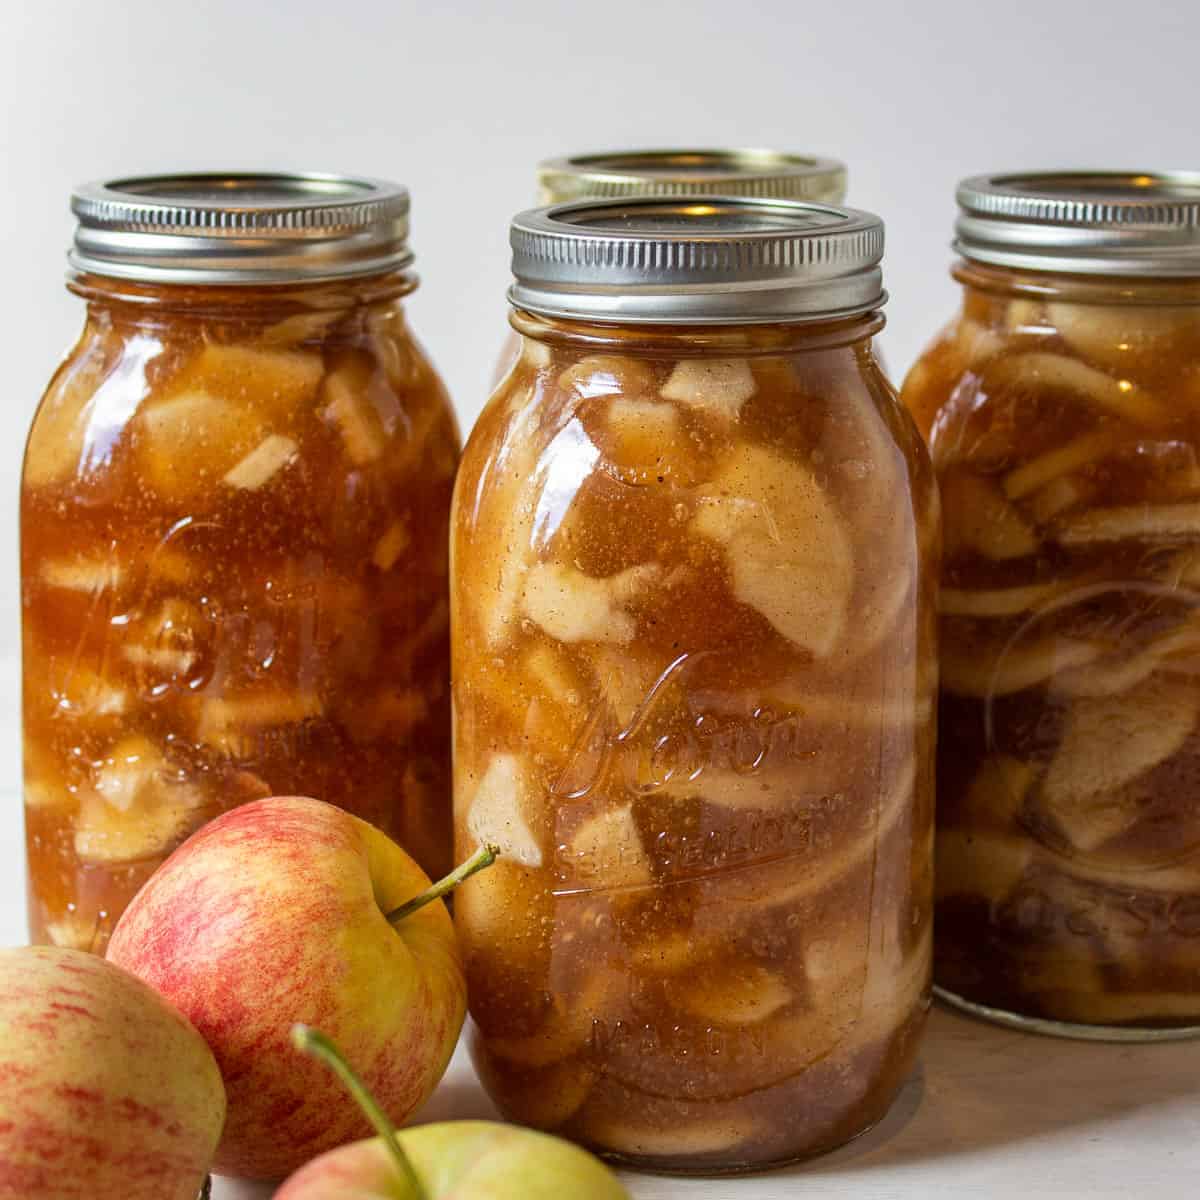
1004,353
176,405
670,424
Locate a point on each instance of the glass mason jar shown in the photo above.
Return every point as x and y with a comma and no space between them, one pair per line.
693,551
233,535
1062,407
773,174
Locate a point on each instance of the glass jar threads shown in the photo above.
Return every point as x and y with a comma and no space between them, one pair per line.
1062,407
693,638
233,520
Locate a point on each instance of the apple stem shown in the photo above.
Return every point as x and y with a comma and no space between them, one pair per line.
314,1042
206,1190
483,857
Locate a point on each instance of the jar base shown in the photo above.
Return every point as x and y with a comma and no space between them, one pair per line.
1066,1029
650,1166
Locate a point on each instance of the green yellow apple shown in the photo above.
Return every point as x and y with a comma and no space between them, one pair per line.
469,1160
106,1092
466,1160
277,912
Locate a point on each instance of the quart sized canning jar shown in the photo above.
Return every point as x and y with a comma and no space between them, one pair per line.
233,534
1062,406
693,550
616,174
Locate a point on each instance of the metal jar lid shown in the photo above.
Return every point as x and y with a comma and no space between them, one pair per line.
240,228
734,172
1083,222
717,260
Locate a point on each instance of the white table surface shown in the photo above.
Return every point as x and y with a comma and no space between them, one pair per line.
989,1114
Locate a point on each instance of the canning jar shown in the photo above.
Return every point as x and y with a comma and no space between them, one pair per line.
773,174
233,534
1062,406
693,630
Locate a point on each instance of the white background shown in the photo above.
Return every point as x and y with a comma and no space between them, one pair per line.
459,101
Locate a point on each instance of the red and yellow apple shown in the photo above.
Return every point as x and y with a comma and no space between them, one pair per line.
107,1092
278,912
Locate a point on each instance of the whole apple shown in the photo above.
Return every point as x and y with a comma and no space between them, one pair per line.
108,1093
469,1160
277,912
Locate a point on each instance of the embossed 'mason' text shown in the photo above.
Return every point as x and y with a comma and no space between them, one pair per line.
1092,911
644,757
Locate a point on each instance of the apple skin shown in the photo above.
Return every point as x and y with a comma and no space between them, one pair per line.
106,1092
274,913
471,1160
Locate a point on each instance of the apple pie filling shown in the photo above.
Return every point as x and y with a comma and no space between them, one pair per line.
693,662
1064,420
234,580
